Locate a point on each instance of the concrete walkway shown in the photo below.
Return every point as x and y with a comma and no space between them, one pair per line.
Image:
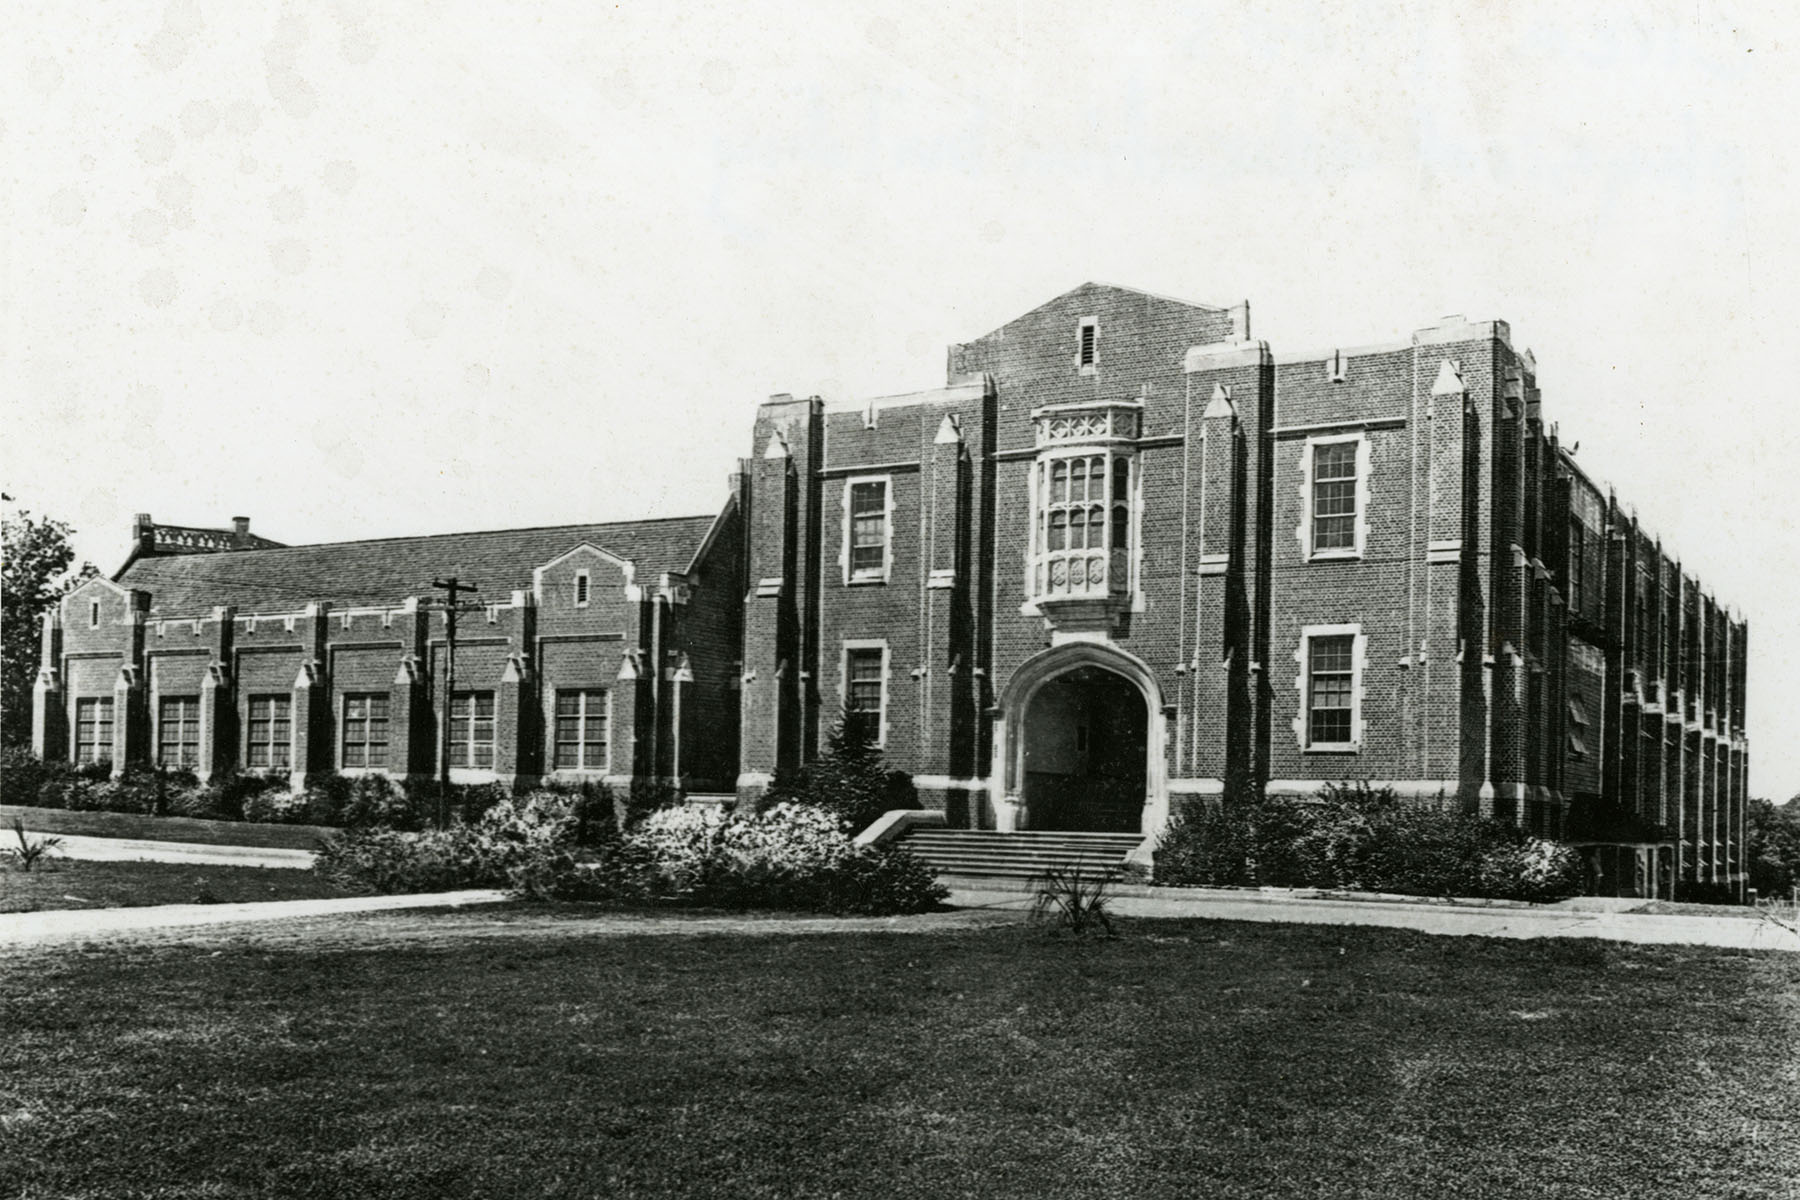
108,849
34,928
1449,919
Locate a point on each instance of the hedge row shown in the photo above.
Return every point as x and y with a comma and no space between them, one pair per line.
1360,838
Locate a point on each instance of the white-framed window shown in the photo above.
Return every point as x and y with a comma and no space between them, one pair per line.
365,739
1084,524
93,729
178,731
581,589
868,529
1334,496
1330,687
1087,345
580,730
268,732
864,685
472,730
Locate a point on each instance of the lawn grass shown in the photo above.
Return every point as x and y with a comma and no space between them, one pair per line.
1189,1059
63,883
164,829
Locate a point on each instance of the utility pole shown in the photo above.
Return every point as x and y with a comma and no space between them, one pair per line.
452,588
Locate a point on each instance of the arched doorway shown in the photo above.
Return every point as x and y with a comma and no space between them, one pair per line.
1048,774
1086,739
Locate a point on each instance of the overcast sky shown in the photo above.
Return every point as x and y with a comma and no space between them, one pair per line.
359,270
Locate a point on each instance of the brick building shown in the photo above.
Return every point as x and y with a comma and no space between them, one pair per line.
1126,555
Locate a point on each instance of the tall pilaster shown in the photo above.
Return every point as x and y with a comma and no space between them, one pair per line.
313,751
218,707
131,718
412,735
49,712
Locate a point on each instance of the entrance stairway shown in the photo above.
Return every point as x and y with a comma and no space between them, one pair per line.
984,853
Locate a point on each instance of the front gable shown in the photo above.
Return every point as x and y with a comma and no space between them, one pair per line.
585,587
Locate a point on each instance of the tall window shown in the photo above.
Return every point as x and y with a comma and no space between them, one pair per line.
365,739
868,530
1088,351
94,729
1334,496
865,691
1577,560
1082,527
580,730
472,729
267,735
178,731
581,589
1330,690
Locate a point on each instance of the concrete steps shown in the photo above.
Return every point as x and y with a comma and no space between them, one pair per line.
984,853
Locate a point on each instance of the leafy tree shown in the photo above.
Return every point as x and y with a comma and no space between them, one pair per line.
34,574
849,778
1774,847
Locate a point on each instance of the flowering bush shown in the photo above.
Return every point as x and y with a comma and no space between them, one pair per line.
792,838
792,856
1533,869
683,844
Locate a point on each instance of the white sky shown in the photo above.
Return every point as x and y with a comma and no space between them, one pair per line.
363,270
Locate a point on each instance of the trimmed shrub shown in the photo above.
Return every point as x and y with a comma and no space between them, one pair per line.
23,775
392,861
373,801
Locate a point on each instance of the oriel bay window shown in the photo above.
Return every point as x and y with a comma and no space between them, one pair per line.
472,730
1081,531
178,731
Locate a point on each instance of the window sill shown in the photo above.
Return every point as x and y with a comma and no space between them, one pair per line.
1333,748
1334,556
870,580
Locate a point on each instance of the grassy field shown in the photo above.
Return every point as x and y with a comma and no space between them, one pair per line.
162,829
538,1054
70,883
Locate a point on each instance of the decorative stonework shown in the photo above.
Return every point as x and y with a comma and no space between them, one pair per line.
1103,421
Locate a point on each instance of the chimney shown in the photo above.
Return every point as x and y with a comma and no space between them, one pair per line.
143,534
240,531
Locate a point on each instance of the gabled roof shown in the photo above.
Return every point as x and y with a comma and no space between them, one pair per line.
1093,286
387,570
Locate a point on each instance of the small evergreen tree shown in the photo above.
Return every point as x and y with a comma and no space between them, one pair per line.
850,778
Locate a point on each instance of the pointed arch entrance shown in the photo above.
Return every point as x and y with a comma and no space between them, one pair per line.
1079,743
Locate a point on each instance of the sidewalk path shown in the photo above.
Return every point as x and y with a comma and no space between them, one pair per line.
108,849
33,928
1735,932
1574,919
